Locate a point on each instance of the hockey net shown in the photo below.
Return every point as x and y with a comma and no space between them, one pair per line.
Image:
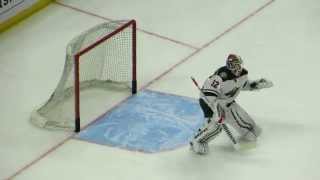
101,57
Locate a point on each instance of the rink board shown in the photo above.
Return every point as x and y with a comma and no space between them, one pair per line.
149,121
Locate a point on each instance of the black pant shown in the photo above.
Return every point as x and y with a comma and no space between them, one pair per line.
208,113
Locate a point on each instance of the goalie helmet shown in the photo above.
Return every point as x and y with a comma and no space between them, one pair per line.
234,64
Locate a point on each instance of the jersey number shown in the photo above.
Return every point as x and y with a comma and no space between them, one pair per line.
215,84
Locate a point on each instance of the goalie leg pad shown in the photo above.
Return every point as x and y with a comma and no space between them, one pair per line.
241,121
199,143
199,148
208,132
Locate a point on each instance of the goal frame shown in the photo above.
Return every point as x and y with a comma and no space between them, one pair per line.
93,45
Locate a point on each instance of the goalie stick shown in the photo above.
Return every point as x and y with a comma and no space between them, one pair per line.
221,120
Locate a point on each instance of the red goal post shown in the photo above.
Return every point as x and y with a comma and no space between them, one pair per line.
79,54
103,55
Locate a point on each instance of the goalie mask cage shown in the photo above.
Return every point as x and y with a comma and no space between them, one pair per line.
102,56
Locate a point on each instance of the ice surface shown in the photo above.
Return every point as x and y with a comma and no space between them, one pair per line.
280,43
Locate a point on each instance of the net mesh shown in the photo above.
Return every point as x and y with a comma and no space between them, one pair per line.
107,64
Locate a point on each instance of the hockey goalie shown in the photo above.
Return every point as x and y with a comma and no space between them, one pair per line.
218,103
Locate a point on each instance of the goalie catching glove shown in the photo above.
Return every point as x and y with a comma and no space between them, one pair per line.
260,84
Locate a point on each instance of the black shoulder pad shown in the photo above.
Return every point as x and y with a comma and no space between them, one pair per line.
224,73
244,72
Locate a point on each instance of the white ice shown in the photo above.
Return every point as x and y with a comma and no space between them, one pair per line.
280,41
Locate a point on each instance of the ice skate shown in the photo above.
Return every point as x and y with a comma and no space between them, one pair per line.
250,136
247,141
199,148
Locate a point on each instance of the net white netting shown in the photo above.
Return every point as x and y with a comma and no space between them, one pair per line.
108,64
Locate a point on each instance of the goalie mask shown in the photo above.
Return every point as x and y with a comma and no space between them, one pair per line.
234,64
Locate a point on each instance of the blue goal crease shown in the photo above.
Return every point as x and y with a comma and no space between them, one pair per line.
150,121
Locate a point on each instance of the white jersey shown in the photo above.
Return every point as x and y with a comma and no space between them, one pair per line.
224,87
